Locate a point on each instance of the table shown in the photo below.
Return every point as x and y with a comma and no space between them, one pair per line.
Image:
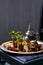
20,59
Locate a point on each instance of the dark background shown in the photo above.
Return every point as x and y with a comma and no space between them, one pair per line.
17,14
41,25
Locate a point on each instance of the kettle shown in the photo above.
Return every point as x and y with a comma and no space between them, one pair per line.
29,34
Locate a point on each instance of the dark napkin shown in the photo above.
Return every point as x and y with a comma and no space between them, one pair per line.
29,58
24,58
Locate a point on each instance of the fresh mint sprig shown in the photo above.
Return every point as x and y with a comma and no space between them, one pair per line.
16,35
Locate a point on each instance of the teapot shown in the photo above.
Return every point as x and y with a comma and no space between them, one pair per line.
29,34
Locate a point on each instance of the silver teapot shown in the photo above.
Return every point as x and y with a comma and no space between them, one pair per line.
29,34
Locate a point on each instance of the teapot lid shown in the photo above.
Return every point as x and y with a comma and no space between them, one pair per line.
29,32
